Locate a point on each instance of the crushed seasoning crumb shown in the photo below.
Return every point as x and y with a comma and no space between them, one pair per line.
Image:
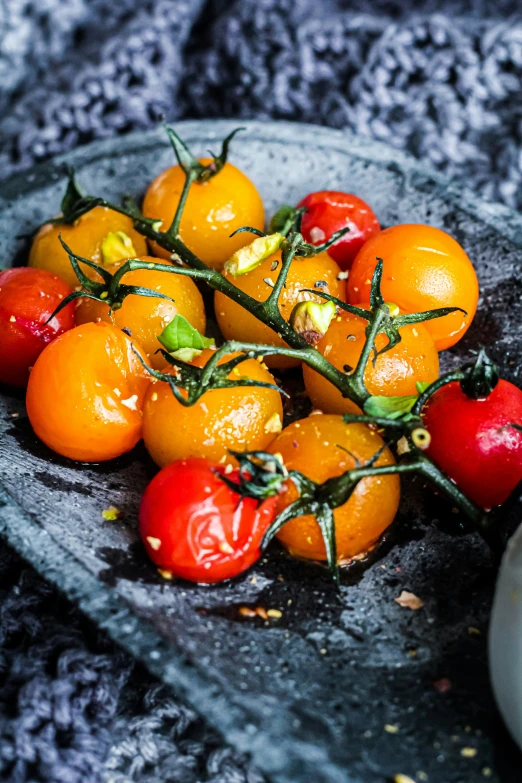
409,601
111,513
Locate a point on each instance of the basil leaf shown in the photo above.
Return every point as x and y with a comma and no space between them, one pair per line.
390,407
180,334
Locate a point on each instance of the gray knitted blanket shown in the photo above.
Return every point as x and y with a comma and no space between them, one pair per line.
443,80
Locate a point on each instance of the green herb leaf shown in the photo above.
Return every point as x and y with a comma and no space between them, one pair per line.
390,407
283,218
180,334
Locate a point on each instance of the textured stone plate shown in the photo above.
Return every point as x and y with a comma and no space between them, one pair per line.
347,685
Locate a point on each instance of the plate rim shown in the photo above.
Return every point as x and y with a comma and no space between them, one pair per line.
67,572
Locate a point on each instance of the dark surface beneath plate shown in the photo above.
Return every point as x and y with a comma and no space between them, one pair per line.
346,686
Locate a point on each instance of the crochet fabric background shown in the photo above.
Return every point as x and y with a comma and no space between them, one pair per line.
443,81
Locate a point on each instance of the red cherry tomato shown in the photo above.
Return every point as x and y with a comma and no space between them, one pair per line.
473,442
196,527
27,298
331,210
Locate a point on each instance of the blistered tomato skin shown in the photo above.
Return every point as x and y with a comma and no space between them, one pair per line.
196,528
213,211
28,297
395,372
241,419
238,324
329,211
85,394
146,317
424,268
321,447
473,440
84,238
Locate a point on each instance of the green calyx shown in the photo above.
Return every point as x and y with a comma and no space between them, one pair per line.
261,475
480,377
196,381
191,165
111,291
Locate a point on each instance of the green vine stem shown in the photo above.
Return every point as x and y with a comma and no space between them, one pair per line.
381,317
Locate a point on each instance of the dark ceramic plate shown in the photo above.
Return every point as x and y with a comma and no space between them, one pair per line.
347,686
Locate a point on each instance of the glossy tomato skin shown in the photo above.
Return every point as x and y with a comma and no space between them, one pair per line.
197,528
473,442
85,394
241,419
213,211
323,446
424,269
330,211
28,297
236,323
84,238
395,372
146,317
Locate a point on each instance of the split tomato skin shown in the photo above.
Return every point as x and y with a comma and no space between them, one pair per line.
473,440
395,372
146,317
28,297
84,238
329,211
85,394
424,268
241,418
197,528
213,211
236,323
323,446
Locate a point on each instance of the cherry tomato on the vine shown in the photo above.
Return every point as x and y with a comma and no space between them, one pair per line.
146,317
85,238
329,211
473,440
394,373
323,446
319,272
197,528
424,268
28,297
241,418
213,211
85,394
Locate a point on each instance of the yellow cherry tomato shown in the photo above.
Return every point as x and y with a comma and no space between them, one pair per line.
84,238
241,419
323,446
395,373
236,323
146,317
214,210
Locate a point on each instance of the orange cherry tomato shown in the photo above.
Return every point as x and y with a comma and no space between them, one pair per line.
236,323
395,372
214,210
84,238
242,418
85,394
323,446
424,268
146,317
